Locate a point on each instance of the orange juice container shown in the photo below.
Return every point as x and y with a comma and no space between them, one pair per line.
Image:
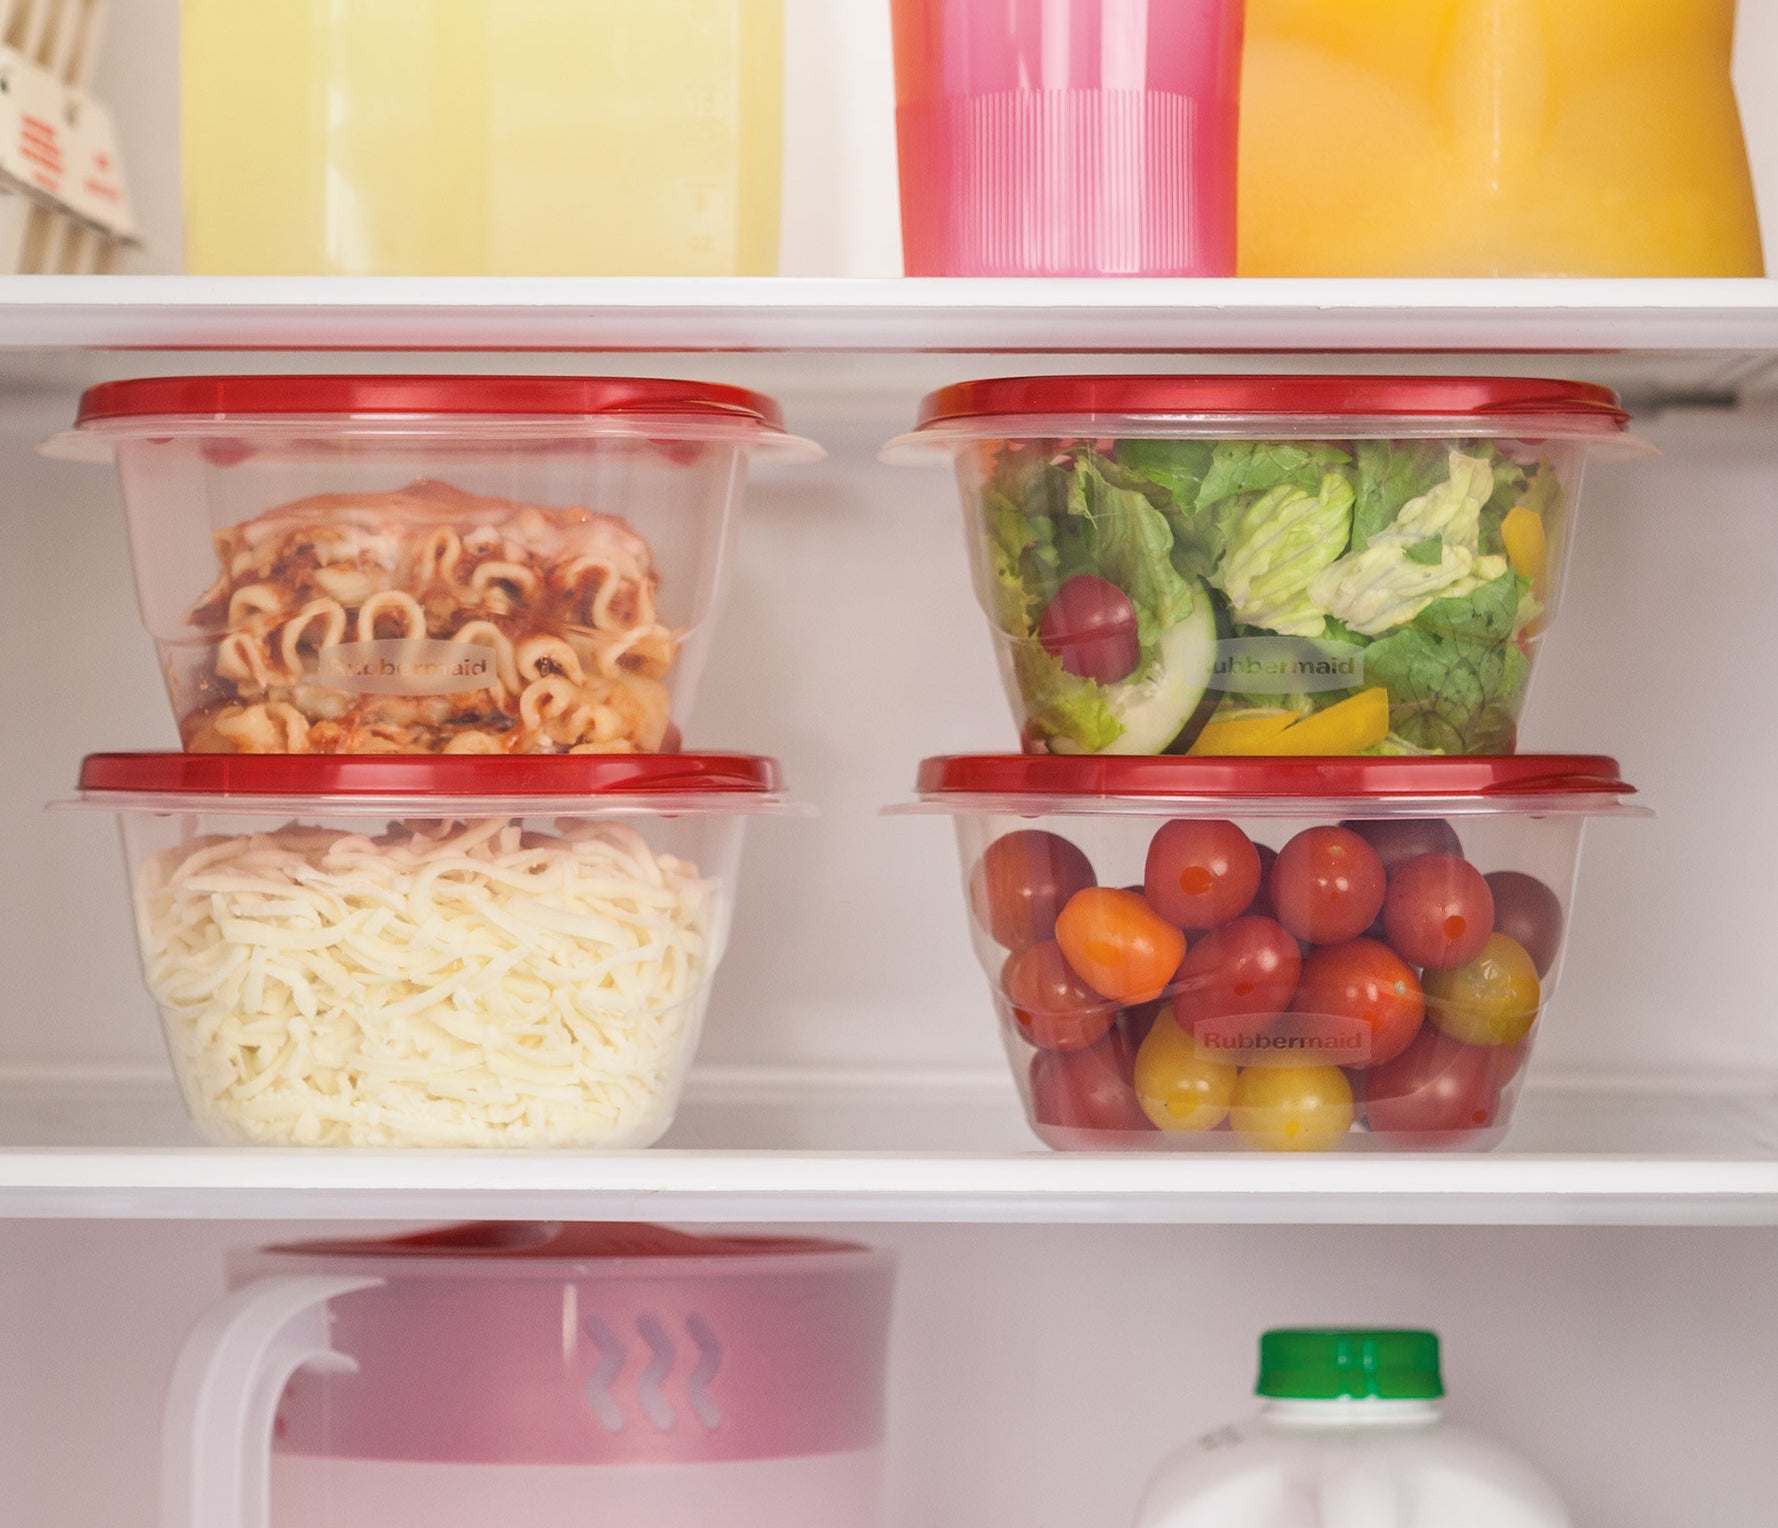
1493,138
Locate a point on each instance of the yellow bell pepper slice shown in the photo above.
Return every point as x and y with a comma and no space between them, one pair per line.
1526,546
1240,735
1352,726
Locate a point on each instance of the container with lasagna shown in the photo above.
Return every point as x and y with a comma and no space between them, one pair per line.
463,565
431,951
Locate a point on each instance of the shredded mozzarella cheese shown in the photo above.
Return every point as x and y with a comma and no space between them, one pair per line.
445,984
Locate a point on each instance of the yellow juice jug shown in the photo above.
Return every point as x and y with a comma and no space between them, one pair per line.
1493,138
482,137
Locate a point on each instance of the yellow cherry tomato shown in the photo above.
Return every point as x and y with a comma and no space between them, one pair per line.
1492,1000
1179,1088
1292,1108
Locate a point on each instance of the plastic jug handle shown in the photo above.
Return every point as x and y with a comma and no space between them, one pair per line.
217,1436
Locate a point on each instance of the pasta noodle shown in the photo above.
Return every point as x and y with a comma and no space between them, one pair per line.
445,984
564,598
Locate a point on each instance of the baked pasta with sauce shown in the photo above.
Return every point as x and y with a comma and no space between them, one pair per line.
429,620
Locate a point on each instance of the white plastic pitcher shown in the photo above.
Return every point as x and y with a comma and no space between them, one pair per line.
1352,1435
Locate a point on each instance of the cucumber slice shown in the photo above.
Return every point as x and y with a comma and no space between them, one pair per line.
1166,710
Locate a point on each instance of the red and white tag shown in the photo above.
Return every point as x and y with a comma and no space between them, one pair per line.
59,144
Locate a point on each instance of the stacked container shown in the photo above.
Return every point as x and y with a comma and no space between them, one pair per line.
433,869
1270,872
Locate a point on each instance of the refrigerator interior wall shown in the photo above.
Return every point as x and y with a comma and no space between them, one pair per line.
841,215
1038,1374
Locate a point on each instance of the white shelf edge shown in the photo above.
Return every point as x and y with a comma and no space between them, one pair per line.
1734,317
988,1173
878,1187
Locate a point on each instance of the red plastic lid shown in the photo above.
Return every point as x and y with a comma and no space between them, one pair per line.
562,1241
389,775
1578,405
234,398
1345,779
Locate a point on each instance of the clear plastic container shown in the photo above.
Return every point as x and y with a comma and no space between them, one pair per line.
1493,138
482,137
429,564
431,951
1067,137
1276,955
1267,565
541,1374
1351,1434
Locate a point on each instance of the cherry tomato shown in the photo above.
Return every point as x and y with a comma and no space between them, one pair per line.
1436,1085
1509,1060
1135,1021
1527,910
1492,1000
1400,839
1438,912
1022,882
1120,946
1090,627
1052,1007
1360,1002
1261,906
1234,981
1201,873
1327,885
1086,1090
1292,1108
1180,1088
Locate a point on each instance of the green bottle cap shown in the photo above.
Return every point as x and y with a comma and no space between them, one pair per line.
1304,1365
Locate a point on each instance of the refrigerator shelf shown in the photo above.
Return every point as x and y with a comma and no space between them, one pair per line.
1732,320
756,1144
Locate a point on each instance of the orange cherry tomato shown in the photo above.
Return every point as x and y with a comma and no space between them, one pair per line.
1119,945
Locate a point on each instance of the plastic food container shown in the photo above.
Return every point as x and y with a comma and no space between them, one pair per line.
1493,138
545,1374
1267,565
431,952
428,564
1067,137
1272,955
482,137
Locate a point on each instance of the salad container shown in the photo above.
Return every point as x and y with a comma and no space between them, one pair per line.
1267,565
1274,955
431,951
474,565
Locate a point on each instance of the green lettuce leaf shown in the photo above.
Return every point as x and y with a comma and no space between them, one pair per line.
1061,704
1258,466
1118,534
1455,676
1276,546
1390,473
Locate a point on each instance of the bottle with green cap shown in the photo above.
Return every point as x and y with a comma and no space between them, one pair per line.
1350,1434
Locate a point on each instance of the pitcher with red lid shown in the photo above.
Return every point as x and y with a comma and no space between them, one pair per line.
549,1375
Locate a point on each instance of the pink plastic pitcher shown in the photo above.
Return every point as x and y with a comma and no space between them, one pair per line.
1068,137
554,1376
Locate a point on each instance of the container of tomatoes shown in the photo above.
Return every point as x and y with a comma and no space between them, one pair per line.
1315,954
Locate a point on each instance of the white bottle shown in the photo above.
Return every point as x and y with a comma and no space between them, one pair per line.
1352,1435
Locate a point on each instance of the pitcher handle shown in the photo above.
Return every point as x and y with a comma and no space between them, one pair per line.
217,1435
